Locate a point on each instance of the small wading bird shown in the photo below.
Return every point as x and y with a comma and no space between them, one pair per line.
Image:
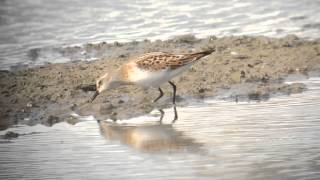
149,70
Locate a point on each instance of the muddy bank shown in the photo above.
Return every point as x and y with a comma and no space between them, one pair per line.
252,67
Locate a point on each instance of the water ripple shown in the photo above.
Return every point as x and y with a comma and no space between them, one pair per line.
275,139
29,24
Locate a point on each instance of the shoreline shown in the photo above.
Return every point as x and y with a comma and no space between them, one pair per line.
243,66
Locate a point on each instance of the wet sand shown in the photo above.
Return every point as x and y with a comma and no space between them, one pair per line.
245,67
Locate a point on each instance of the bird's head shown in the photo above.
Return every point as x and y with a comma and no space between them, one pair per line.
106,82
102,84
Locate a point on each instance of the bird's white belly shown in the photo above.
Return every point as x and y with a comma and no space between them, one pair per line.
154,78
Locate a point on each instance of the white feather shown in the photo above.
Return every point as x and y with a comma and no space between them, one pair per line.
155,78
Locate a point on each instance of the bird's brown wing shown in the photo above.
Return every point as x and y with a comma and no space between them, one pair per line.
160,60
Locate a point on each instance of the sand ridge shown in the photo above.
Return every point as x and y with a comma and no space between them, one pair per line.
246,66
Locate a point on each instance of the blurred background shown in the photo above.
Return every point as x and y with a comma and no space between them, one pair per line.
35,31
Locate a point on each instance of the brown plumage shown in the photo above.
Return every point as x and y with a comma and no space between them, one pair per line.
159,60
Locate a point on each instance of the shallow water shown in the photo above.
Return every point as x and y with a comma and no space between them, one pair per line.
31,25
274,139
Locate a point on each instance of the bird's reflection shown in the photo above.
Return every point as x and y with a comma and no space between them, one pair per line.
148,137
175,115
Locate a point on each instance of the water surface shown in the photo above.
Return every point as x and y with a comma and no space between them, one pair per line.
33,31
274,139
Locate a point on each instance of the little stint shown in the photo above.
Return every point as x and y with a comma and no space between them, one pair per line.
149,70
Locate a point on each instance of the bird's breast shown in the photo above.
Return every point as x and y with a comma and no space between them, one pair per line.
131,73
147,78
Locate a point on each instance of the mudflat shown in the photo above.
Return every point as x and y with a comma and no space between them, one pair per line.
242,67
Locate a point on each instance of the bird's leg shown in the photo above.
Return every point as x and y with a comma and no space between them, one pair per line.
174,92
160,95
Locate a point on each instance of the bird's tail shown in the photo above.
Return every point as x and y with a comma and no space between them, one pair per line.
198,55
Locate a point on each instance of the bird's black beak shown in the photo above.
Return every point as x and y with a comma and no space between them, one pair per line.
94,96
